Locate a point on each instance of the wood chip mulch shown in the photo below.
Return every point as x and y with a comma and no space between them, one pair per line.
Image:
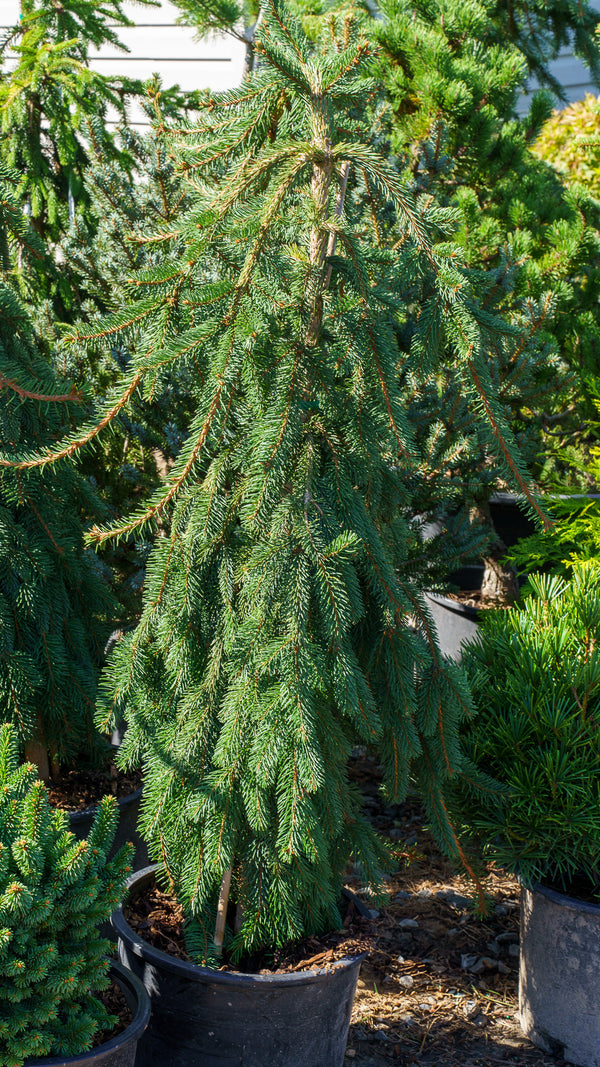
440,985
115,1004
79,790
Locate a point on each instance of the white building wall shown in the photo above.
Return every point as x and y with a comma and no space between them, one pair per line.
158,45
569,72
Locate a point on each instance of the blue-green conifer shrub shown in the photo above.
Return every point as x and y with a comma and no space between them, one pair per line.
54,892
535,676
56,604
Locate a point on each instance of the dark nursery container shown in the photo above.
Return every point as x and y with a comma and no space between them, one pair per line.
456,623
220,1019
80,823
120,1051
559,974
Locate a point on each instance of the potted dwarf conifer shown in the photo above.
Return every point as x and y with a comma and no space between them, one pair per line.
55,891
535,676
282,620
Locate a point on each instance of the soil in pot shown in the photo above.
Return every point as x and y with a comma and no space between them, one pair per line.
295,1016
116,1005
126,998
579,887
78,792
158,919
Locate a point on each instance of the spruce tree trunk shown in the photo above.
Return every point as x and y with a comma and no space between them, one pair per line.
36,752
499,579
250,54
222,910
34,129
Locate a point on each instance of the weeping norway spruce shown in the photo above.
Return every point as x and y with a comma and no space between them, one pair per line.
282,622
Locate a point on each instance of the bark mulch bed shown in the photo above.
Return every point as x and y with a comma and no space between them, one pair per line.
440,986
80,790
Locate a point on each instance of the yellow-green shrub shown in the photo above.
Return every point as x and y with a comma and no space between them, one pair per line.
560,144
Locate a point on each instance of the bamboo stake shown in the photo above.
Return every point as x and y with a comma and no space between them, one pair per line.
222,910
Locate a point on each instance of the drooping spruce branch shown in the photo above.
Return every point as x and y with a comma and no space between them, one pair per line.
26,394
282,622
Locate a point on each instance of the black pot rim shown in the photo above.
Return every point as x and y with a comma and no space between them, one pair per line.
454,606
563,900
83,814
193,972
503,497
131,1033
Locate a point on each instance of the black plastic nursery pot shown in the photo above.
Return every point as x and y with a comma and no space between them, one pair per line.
511,522
129,806
121,1050
208,1018
456,623
559,975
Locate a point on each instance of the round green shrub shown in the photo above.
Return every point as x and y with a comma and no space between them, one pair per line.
560,143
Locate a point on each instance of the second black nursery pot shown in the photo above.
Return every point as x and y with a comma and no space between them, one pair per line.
456,623
214,1018
119,1051
81,823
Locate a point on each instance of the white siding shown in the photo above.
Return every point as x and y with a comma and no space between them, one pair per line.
157,45
570,72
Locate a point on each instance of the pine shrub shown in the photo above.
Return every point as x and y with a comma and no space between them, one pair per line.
535,679
54,893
